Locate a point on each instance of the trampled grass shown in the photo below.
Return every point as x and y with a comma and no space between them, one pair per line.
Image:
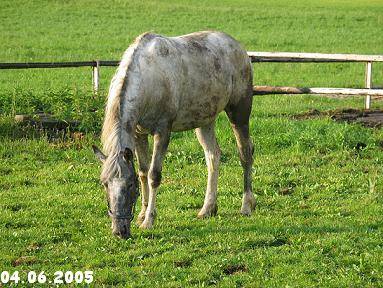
319,216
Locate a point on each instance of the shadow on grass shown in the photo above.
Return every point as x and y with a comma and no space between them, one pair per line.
63,133
279,236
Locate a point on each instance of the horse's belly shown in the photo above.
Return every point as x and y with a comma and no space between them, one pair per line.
199,111
188,124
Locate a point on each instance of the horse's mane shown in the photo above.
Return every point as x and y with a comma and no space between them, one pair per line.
112,127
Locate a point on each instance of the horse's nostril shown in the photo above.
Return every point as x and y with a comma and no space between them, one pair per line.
122,235
125,236
122,231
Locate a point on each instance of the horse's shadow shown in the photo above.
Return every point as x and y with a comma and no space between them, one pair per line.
281,233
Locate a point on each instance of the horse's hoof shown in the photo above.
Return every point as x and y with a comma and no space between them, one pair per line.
140,218
146,224
246,211
248,204
208,212
148,221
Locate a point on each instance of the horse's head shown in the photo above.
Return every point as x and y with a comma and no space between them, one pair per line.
121,185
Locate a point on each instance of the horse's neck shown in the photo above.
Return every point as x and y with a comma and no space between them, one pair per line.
128,134
120,133
130,104
128,121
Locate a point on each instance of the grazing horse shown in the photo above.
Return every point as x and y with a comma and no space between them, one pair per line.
166,84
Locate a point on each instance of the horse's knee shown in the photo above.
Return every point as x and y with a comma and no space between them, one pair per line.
155,178
143,174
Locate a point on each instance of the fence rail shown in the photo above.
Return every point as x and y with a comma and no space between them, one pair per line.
256,57
57,64
263,90
311,57
287,57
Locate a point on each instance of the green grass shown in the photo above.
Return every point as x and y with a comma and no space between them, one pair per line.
319,216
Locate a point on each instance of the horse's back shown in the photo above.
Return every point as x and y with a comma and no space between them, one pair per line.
196,76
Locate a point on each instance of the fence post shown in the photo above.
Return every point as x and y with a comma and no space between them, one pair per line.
368,84
96,76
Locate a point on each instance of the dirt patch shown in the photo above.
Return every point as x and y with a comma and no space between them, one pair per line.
233,269
46,125
46,121
368,118
267,243
24,260
286,191
183,263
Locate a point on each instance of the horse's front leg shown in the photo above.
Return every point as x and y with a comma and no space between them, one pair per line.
160,146
143,159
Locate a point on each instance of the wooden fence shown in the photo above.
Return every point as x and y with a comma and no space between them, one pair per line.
281,57
319,58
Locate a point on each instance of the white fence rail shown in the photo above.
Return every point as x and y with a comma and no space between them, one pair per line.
319,58
281,57
311,57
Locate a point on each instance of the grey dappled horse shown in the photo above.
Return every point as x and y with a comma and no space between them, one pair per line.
166,84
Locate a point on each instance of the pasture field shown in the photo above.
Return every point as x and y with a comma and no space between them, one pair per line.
318,183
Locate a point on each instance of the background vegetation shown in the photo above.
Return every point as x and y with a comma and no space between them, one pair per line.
318,182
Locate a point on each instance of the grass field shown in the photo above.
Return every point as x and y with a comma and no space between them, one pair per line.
318,182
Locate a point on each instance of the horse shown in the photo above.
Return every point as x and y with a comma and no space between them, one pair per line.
169,84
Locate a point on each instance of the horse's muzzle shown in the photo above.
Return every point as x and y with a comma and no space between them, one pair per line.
121,228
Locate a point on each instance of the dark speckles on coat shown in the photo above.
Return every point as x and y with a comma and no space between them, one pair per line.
196,46
191,79
163,51
217,64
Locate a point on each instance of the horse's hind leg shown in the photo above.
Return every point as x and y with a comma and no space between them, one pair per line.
245,148
142,154
208,141
239,115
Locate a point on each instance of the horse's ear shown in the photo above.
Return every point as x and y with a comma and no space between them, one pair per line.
128,155
98,153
